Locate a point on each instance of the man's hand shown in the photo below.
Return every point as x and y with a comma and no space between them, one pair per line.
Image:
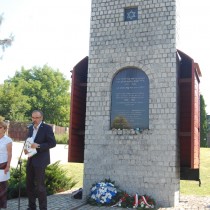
35,145
25,151
6,169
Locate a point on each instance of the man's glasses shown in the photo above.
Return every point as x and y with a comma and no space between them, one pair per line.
1,127
36,117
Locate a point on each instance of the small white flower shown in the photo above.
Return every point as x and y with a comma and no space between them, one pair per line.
93,196
109,195
93,188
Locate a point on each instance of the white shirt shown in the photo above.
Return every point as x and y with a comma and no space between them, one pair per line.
3,148
35,130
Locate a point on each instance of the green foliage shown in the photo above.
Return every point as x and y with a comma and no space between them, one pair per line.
56,180
1,118
13,183
203,123
13,104
62,138
37,88
120,122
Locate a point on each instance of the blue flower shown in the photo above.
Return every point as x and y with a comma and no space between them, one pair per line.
103,192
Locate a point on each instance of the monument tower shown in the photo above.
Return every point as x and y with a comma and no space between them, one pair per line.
131,103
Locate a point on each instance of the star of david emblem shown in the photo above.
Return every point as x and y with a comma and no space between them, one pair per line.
131,14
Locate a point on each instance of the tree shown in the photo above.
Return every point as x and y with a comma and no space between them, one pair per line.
6,42
203,123
37,88
13,104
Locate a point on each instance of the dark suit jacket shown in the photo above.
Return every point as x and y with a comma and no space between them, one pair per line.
45,137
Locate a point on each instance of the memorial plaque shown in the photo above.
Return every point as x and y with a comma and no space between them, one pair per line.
130,100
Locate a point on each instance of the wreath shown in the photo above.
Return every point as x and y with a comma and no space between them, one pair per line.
105,193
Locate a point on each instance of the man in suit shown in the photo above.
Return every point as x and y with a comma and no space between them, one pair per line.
44,139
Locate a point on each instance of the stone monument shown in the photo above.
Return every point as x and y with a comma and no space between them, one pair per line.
131,104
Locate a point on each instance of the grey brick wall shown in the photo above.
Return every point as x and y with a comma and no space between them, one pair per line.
147,162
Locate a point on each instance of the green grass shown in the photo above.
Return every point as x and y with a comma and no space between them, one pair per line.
75,170
62,138
186,187
192,187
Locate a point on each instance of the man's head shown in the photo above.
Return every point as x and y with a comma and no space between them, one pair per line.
37,117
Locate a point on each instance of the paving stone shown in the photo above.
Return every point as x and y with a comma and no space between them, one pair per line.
65,201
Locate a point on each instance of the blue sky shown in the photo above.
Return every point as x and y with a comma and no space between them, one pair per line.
53,32
56,32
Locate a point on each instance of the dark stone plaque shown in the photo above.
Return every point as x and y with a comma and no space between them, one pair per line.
130,100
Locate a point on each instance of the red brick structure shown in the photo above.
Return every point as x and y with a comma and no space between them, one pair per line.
18,130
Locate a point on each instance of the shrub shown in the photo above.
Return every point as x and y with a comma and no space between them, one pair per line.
62,138
13,183
56,180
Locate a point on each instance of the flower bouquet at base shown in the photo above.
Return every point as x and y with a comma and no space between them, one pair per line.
125,200
145,202
137,201
103,193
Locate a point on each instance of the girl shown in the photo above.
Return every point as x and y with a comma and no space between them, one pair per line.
5,159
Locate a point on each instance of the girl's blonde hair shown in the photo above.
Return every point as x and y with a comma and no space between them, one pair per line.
3,124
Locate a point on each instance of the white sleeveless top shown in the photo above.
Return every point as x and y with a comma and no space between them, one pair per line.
3,148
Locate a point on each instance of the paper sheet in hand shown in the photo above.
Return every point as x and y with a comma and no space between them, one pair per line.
31,151
3,176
